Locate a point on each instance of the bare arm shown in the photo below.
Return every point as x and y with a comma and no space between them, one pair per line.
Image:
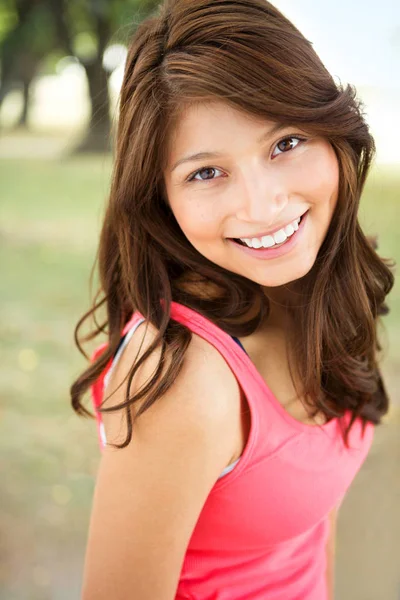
149,495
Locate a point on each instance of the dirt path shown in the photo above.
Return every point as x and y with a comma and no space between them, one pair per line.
368,542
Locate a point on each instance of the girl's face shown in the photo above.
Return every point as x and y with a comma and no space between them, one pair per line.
242,186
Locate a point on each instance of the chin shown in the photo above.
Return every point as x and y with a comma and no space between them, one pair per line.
278,278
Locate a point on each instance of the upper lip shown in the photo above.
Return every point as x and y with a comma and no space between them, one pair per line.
260,235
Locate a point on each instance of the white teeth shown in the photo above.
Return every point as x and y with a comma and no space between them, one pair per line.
256,243
268,241
277,238
289,230
280,236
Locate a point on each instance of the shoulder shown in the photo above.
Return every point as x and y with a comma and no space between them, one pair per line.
149,494
205,391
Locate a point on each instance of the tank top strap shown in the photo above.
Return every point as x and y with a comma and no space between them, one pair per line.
238,342
97,388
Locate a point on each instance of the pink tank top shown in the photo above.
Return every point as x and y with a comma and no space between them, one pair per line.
262,532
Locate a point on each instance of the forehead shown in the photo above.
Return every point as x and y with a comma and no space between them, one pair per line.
201,116
209,125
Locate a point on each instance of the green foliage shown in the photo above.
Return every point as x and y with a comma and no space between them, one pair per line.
85,45
38,30
8,18
121,15
49,63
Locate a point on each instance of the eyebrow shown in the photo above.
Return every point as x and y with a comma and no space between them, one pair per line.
203,155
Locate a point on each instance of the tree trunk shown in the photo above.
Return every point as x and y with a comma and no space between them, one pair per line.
97,138
23,119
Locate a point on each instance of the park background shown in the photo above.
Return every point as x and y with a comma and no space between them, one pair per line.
61,68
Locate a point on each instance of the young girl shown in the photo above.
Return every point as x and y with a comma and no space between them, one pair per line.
238,391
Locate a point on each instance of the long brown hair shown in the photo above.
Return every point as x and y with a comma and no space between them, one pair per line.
249,55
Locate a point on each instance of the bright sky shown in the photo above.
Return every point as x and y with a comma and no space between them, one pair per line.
359,40
359,43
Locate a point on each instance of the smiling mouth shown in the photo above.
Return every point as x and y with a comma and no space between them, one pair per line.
239,241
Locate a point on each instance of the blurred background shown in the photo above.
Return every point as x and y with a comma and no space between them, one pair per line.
61,66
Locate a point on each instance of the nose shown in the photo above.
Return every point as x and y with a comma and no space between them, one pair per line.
261,197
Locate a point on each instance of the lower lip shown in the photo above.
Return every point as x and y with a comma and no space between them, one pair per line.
275,252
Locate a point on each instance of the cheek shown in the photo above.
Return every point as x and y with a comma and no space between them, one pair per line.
198,219
319,177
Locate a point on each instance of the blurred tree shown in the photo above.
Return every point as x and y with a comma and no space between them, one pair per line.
22,46
85,28
79,28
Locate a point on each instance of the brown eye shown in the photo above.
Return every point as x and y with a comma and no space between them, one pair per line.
209,173
287,143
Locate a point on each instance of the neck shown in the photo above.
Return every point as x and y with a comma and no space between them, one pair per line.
283,301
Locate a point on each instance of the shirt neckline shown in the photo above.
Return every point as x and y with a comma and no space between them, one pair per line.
203,321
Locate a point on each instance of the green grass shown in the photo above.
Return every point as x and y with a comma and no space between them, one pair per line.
50,216
379,209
